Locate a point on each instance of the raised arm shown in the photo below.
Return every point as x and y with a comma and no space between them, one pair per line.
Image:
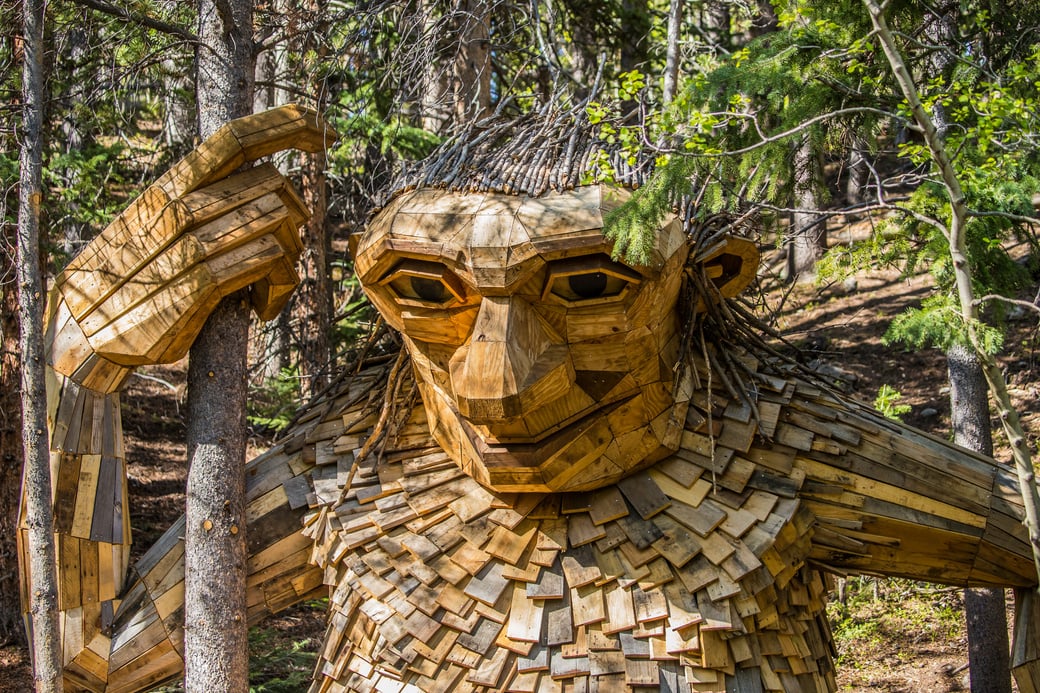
891,500
138,294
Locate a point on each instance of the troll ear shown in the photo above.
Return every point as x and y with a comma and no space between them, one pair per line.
353,240
731,265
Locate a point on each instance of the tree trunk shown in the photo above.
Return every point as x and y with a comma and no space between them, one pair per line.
457,79
808,240
988,652
312,302
988,656
434,110
472,77
39,515
858,173
12,629
73,232
269,343
215,640
671,66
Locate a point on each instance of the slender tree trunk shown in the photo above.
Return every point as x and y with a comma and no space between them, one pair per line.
312,302
215,642
671,64
472,77
988,655
856,183
436,109
39,515
808,240
270,342
966,295
12,629
988,652
73,232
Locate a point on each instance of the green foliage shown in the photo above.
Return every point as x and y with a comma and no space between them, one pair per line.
938,323
730,136
365,130
877,611
887,402
273,403
278,666
357,316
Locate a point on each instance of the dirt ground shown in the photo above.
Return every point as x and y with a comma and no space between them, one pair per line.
910,639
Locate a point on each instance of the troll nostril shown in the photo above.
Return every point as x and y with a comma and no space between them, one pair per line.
481,338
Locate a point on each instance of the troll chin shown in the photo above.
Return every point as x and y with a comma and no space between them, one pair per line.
584,454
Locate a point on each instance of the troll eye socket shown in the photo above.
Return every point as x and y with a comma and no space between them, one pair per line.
421,288
580,287
428,284
588,279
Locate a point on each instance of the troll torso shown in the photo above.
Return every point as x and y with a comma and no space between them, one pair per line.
699,573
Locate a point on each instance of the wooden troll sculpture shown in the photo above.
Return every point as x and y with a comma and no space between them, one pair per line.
600,489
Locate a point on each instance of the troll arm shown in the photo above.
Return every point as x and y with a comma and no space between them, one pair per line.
891,500
138,294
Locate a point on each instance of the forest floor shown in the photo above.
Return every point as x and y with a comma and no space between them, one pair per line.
890,635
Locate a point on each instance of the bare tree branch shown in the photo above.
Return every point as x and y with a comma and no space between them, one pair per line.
138,18
1028,305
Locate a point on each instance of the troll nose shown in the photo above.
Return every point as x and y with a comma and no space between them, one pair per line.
512,363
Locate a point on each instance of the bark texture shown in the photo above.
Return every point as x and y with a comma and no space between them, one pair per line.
11,625
457,87
984,609
808,239
39,515
671,67
312,302
988,655
216,654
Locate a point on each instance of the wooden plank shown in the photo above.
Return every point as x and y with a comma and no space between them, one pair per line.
607,504
559,627
508,544
580,567
644,495
525,616
690,495
681,471
702,520
620,610
549,585
110,472
488,585
83,516
69,582
890,494
581,530
676,543
587,605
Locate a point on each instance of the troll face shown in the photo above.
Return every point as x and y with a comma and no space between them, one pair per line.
544,364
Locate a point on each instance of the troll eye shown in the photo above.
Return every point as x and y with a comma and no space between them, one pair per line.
428,284
590,279
579,287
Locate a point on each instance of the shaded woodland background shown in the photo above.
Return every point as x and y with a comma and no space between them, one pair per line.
783,114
